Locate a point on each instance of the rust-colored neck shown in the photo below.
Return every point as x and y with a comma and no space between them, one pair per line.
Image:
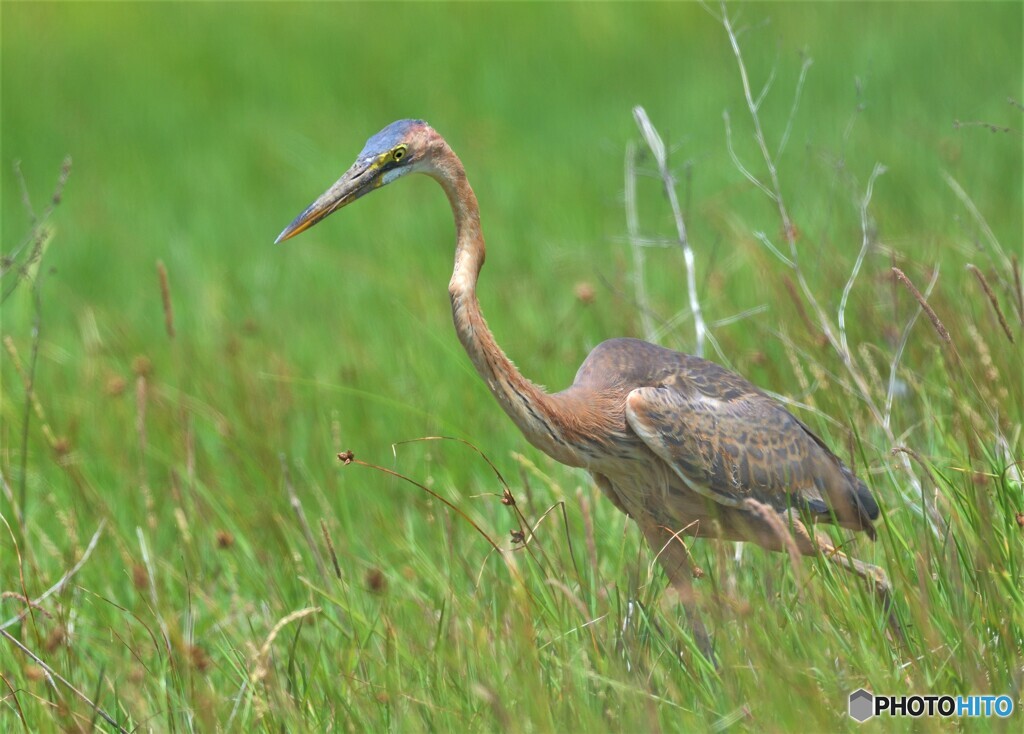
525,403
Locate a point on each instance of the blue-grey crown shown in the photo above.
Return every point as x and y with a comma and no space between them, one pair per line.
388,138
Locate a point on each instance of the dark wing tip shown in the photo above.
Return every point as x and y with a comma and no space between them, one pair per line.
866,507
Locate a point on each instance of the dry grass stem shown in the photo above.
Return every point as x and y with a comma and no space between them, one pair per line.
932,316
165,297
300,514
993,300
330,547
1018,289
260,670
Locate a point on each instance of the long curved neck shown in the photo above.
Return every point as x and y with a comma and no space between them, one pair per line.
525,403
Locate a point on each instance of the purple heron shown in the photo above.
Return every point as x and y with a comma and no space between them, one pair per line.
678,443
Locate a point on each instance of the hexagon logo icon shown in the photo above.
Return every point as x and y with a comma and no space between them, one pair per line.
862,705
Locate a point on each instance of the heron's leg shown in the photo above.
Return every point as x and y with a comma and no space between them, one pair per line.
789,534
675,559
875,577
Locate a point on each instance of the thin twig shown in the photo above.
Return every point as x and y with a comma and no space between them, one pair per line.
657,147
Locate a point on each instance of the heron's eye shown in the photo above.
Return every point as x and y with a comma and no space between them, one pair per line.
398,153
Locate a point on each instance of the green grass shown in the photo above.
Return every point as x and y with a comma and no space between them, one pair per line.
199,130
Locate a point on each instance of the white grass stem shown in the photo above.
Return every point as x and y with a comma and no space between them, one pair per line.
864,247
633,231
763,238
657,147
792,110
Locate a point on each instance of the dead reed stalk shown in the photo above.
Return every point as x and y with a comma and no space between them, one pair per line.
165,297
992,299
932,316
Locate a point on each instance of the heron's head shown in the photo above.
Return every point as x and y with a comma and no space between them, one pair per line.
400,148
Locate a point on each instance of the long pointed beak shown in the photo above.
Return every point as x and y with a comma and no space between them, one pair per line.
356,182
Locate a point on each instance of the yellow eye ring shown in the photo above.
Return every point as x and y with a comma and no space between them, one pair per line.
398,154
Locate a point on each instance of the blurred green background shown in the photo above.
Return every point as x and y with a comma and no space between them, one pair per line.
199,130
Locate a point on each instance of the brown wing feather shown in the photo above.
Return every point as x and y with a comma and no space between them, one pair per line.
729,450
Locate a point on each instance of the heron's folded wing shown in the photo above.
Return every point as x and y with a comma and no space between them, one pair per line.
731,449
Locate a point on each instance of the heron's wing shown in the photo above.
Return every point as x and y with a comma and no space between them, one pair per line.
734,446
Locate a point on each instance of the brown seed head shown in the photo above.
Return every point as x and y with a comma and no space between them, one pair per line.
141,366
347,457
115,385
585,293
140,577
56,638
225,539
198,657
376,581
